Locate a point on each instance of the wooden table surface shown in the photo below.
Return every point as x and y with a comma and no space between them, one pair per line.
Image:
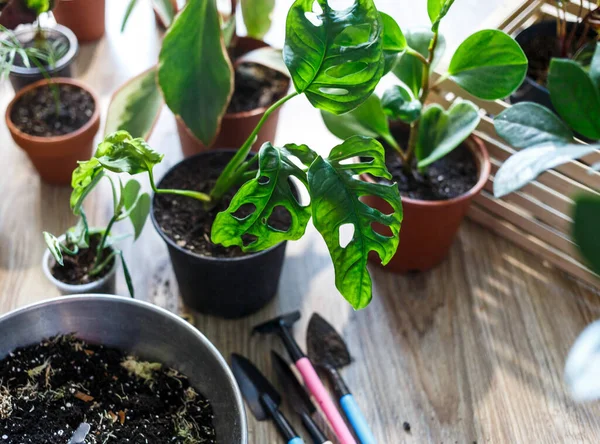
471,351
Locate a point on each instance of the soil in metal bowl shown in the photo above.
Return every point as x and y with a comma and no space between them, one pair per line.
256,87
76,269
38,113
48,390
187,222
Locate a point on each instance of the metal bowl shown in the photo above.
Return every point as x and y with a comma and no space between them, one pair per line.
144,330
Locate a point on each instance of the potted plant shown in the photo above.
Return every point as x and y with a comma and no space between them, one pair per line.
85,18
84,260
33,52
251,205
54,122
431,152
113,369
555,38
241,88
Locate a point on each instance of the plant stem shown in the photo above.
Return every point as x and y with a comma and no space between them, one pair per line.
98,268
230,173
102,243
187,193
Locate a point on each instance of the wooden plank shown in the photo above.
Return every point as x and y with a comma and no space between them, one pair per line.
503,16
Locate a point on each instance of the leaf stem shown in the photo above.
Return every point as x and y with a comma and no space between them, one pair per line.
187,193
102,243
417,54
98,268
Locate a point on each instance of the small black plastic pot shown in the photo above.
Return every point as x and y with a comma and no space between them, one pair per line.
21,76
225,287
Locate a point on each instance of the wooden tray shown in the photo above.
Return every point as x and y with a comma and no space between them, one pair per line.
538,217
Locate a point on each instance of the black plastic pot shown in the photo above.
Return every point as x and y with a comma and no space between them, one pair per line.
21,76
225,287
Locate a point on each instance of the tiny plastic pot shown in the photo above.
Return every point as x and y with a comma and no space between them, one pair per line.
430,227
86,18
229,288
21,76
56,157
235,127
104,285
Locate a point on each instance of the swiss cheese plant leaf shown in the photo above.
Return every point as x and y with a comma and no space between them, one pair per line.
254,229
366,120
121,153
194,70
54,246
399,103
585,228
135,106
85,177
257,17
335,195
575,97
335,57
442,131
394,41
489,64
408,68
137,206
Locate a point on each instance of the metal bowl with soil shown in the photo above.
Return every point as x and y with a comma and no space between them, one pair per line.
124,370
212,279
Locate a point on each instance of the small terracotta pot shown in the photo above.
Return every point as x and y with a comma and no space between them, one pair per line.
86,18
429,227
235,127
55,158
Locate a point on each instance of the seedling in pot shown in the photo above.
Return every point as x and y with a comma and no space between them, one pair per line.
574,42
488,64
128,203
337,71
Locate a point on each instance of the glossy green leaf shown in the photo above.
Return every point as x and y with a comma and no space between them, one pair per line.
135,106
525,165
442,131
85,177
528,124
366,120
489,64
594,67
408,68
121,153
585,228
137,206
39,6
394,41
575,97
194,70
399,103
267,191
54,246
437,10
335,195
269,57
334,56
257,16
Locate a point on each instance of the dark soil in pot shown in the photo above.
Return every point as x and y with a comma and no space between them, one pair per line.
76,268
256,87
36,113
47,390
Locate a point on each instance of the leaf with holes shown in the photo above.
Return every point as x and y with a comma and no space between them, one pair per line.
334,56
335,195
270,189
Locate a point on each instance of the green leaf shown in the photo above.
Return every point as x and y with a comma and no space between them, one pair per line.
489,64
130,193
135,106
437,10
79,234
594,71
335,57
525,165
335,196
121,153
137,206
128,12
127,275
399,103
267,191
366,120
165,11
39,6
575,97
441,131
267,56
585,228
257,16
394,41
54,246
85,177
193,55
408,68
528,124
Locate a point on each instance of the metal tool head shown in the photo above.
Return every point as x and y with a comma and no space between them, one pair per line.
254,385
297,396
326,348
275,325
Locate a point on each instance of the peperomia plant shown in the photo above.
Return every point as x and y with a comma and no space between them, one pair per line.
336,58
128,203
489,65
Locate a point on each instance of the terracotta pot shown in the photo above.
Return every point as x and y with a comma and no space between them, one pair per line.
429,227
55,158
85,18
235,127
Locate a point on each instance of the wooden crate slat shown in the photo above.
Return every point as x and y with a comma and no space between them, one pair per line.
521,16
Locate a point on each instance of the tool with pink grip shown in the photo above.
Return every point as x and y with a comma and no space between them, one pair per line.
281,326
